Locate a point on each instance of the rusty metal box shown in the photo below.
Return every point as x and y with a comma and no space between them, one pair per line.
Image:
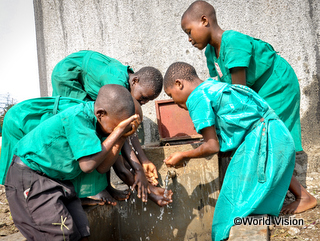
174,123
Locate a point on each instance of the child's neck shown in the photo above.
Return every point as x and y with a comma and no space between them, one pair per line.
195,83
216,37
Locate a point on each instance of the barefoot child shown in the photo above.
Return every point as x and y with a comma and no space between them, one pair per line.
236,58
235,118
80,75
38,186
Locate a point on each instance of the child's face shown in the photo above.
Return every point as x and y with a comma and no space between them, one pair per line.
108,123
142,94
197,32
178,95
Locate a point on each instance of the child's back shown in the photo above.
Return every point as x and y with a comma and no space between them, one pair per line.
80,75
73,129
24,117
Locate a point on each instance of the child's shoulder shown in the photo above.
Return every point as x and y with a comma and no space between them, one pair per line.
207,87
232,35
229,37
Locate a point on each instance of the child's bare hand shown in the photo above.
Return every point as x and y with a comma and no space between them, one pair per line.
151,172
130,125
176,160
142,185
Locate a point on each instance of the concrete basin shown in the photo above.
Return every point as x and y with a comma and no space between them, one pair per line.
196,188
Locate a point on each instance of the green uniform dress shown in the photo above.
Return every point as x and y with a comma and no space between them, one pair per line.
80,75
23,118
259,174
267,73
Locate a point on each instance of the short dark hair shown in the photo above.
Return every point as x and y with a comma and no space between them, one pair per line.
151,78
116,100
179,70
200,8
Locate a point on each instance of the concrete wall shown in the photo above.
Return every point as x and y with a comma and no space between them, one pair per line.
147,32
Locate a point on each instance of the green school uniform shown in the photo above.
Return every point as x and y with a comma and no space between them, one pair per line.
24,117
55,145
259,174
267,73
80,75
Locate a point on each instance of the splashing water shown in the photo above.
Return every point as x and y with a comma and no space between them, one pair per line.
130,143
166,181
161,213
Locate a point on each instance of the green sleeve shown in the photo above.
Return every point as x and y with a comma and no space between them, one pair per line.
201,111
238,50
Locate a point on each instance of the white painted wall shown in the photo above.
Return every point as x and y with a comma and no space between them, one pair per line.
148,32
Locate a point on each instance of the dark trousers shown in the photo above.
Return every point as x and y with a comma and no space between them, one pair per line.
43,208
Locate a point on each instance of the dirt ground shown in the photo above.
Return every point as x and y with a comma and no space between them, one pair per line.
6,224
309,231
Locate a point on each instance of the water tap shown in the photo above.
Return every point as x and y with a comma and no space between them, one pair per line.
171,174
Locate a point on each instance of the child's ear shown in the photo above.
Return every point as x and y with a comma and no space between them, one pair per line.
179,83
135,80
204,20
100,113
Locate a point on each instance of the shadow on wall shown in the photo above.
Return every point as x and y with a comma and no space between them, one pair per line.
151,133
310,130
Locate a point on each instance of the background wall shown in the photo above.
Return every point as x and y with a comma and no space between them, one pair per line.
148,32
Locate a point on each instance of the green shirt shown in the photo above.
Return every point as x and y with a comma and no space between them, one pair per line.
267,73
81,75
27,115
240,50
55,146
232,109
24,117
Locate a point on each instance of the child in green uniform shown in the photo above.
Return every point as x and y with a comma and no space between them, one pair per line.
235,58
80,75
41,197
25,116
235,118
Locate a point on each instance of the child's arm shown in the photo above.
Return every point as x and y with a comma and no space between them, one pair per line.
103,160
238,75
149,168
140,178
209,147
